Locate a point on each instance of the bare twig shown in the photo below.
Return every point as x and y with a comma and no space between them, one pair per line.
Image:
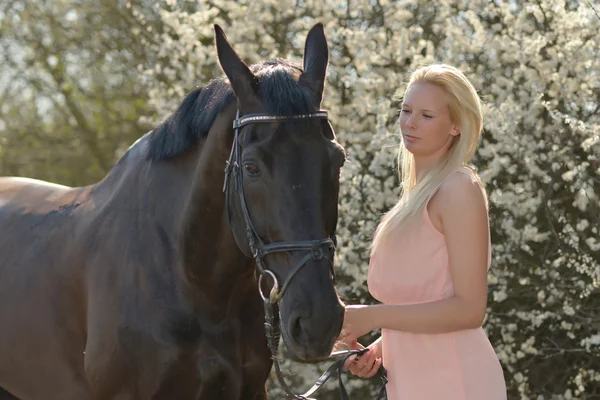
593,8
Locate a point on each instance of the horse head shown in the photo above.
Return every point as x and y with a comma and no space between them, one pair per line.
282,189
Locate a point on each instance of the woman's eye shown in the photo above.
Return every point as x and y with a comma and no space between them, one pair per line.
251,169
404,111
428,116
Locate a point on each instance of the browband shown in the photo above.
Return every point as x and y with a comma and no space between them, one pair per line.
266,118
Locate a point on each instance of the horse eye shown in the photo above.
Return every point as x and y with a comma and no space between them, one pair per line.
252,169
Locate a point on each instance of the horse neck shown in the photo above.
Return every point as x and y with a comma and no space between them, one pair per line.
214,269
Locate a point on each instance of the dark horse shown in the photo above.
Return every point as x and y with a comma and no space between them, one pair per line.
142,286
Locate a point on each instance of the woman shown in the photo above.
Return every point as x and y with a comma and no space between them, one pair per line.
431,254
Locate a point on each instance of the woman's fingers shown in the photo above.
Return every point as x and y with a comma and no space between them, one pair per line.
355,362
349,363
370,369
357,365
374,369
362,364
365,367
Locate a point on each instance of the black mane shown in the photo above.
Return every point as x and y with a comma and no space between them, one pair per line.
279,91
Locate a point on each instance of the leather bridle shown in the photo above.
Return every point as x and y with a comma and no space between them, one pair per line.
314,248
318,249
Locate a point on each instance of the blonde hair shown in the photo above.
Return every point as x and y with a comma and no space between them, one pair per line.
465,111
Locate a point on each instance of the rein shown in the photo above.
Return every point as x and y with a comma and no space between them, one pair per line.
316,250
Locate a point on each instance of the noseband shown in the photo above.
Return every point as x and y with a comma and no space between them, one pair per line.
318,249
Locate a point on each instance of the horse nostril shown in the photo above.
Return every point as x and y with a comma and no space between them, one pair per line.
297,331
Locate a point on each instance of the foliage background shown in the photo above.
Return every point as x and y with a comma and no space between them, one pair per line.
80,81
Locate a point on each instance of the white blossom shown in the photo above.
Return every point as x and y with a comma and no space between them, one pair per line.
535,67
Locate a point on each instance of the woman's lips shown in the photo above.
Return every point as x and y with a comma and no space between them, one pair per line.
409,138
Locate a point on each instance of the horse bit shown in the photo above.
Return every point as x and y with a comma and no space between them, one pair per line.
259,250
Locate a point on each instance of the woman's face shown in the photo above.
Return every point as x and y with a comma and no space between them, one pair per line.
425,121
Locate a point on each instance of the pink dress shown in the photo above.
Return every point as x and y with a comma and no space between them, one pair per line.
413,269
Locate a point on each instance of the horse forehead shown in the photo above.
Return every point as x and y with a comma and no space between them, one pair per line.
293,147
307,135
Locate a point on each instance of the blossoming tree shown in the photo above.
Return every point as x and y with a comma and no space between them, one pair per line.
536,66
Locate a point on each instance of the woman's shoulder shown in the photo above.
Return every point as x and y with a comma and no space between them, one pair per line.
461,179
462,190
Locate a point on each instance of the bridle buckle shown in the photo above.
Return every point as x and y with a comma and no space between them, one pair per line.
317,252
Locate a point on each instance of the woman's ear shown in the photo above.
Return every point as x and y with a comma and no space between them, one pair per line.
455,130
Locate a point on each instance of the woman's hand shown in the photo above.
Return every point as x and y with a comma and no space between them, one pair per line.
367,364
356,323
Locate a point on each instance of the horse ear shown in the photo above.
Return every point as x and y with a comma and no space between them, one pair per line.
316,57
243,81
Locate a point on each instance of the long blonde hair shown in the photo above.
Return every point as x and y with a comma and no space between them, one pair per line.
465,111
